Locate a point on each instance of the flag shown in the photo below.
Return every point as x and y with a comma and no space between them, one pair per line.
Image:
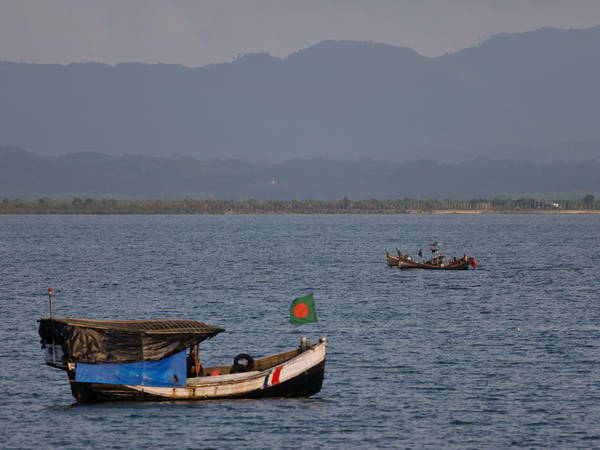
302,310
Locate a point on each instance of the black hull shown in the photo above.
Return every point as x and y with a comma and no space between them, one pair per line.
304,385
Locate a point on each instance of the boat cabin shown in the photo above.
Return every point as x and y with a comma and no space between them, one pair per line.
160,360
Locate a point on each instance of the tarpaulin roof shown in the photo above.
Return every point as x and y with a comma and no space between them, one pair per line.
123,341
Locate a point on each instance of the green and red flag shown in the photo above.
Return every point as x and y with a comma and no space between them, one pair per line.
302,310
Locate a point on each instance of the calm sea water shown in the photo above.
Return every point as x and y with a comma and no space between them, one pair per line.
507,355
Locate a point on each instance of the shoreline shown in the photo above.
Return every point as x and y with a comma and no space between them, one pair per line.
46,205
497,211
439,212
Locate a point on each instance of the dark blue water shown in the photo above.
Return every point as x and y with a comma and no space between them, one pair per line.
507,355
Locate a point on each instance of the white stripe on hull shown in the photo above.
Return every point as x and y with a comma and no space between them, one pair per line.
232,386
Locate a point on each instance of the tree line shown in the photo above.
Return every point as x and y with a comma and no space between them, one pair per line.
343,206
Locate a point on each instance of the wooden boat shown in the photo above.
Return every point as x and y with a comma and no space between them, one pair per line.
159,360
461,265
392,261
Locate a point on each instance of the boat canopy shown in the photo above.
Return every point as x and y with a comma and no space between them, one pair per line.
122,341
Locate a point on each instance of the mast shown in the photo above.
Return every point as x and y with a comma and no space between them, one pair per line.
52,321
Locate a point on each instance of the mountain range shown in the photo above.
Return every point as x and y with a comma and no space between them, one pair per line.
26,175
530,96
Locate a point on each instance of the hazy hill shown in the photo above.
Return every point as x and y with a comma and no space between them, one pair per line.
29,176
515,94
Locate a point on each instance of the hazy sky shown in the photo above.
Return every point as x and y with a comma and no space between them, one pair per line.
198,32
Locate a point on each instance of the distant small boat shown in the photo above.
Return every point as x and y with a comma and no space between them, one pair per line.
461,265
437,263
155,360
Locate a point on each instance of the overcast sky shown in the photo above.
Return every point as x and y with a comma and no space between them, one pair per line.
199,32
